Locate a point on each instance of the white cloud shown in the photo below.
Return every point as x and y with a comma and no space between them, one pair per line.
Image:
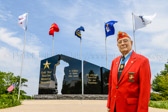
11,55
160,40
16,42
6,37
31,67
33,83
6,60
146,8
63,12
4,15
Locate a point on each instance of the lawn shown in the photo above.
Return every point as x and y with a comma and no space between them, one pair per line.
159,104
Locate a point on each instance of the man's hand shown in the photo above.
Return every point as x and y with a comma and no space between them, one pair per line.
108,109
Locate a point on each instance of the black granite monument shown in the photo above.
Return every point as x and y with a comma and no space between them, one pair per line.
95,77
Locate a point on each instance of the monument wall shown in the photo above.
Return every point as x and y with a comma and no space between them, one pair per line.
95,77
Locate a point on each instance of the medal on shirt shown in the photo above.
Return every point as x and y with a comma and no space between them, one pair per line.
121,66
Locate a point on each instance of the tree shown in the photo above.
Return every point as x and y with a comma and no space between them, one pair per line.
7,79
2,83
160,85
8,99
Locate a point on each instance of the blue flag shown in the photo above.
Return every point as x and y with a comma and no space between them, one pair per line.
78,31
109,28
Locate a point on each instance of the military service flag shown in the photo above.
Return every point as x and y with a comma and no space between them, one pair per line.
22,19
53,28
78,31
109,28
142,21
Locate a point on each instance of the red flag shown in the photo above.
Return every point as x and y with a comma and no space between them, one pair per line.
10,88
54,28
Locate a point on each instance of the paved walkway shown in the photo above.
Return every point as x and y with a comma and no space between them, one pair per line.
64,106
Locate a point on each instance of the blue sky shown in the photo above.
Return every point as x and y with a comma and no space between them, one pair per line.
151,41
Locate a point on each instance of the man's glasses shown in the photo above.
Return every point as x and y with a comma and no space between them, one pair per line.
124,41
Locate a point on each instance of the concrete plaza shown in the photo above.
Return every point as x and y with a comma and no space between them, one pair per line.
64,106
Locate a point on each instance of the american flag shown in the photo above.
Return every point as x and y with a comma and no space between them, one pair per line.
10,88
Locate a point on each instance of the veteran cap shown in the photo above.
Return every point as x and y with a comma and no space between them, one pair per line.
122,35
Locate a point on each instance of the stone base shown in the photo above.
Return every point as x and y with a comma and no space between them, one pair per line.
71,97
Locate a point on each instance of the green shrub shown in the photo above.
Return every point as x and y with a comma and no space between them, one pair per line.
9,102
159,104
25,97
157,97
160,85
9,99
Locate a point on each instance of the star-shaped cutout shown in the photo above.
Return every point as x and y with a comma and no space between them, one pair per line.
46,65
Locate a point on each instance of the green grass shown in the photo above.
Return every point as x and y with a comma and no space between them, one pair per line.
10,100
5,103
159,104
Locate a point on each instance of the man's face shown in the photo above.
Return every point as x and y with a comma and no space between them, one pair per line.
124,45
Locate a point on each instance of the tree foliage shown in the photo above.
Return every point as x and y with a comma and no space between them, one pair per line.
7,79
160,85
9,99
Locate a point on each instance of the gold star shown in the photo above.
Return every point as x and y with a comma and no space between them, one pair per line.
46,65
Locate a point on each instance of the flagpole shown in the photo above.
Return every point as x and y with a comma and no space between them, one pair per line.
81,66
80,49
52,45
106,51
105,48
22,59
133,31
134,40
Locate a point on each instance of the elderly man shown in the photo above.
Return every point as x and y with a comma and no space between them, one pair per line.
129,80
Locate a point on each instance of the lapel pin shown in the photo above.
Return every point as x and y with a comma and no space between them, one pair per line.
131,61
116,62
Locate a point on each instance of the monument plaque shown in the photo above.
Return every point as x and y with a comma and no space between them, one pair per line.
105,80
95,77
72,77
47,82
92,79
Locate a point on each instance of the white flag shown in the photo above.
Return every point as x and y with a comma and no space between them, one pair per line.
142,21
22,19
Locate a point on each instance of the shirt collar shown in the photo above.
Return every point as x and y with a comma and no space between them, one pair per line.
127,54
